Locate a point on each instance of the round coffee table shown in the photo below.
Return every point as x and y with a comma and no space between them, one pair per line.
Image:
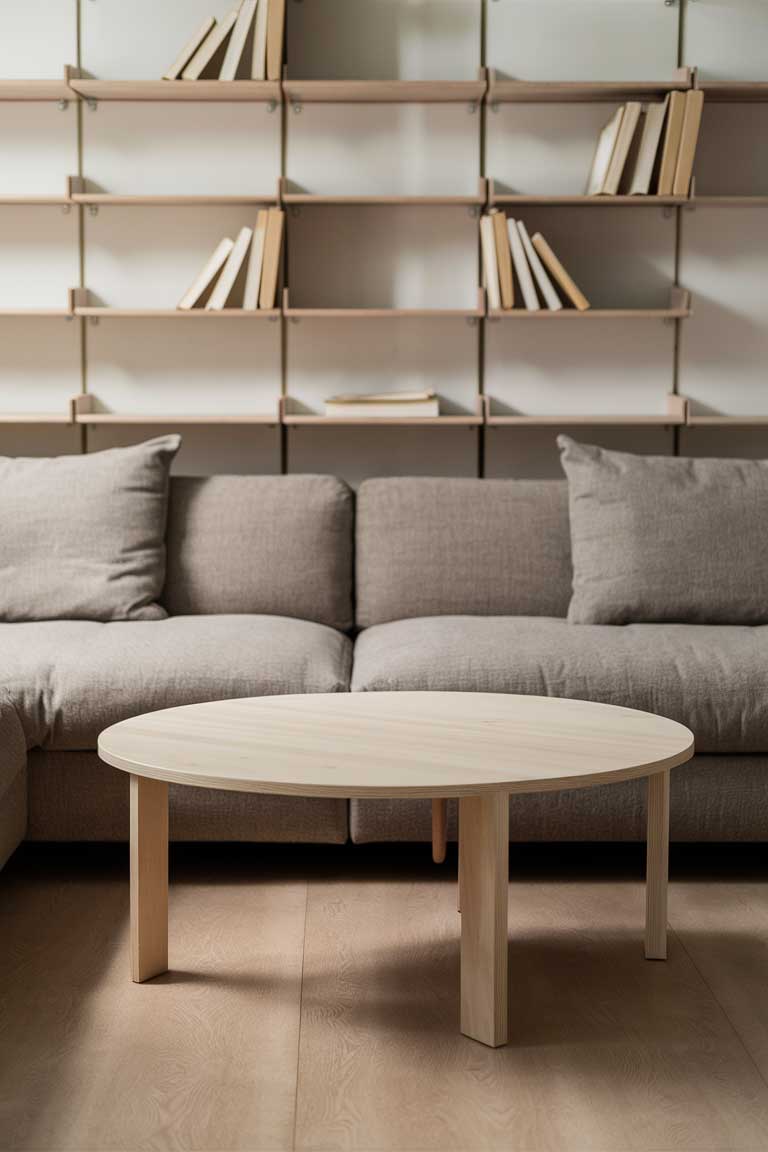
478,747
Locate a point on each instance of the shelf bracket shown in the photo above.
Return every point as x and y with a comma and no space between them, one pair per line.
93,104
62,105
93,209
271,106
472,107
296,108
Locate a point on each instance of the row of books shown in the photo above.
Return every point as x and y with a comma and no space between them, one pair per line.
513,258
241,273
246,44
632,159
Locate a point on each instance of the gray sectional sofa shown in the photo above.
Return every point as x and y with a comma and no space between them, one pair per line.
289,584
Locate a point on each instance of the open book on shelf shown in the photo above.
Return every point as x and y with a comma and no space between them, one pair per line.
648,149
246,44
514,260
242,273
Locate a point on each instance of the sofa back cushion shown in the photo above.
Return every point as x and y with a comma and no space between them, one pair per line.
83,537
666,539
435,547
274,545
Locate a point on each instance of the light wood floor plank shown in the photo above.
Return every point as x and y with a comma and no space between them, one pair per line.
201,1058
606,1052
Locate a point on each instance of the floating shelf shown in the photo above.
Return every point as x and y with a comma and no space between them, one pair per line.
385,91
34,418
37,90
128,201
33,201
727,421
507,198
727,201
734,91
81,306
384,313
505,91
43,313
83,413
479,198
679,309
677,408
201,91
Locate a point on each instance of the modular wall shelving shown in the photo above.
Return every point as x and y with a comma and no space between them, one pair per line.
393,128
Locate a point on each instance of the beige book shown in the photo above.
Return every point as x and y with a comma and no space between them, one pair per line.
490,264
503,260
606,142
207,276
237,41
259,60
629,122
255,261
574,294
270,273
522,267
230,272
694,106
210,46
275,33
550,297
671,143
189,49
640,168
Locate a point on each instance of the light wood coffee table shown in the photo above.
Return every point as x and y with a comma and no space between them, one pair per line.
478,747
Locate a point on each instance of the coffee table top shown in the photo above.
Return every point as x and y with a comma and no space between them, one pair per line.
395,744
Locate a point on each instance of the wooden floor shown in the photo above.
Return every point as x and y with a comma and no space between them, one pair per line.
312,1003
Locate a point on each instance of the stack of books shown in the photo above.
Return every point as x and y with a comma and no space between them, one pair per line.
632,159
382,405
247,44
511,257
242,273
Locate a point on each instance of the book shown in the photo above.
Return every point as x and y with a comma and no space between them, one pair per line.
551,298
212,44
606,142
694,106
230,271
382,405
522,270
671,143
189,49
574,294
629,122
255,260
503,259
209,273
490,263
275,32
259,58
641,165
237,40
270,270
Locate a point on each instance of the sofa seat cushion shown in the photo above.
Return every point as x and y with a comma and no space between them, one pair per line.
71,680
712,678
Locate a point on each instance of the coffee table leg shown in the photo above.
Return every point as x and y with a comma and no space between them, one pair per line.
149,878
484,855
657,867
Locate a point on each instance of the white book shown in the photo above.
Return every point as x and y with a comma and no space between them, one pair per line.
255,262
522,270
237,40
490,263
629,122
189,49
208,275
230,272
210,46
639,178
383,405
259,62
606,142
546,287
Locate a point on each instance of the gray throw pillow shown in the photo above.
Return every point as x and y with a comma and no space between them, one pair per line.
664,538
83,537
